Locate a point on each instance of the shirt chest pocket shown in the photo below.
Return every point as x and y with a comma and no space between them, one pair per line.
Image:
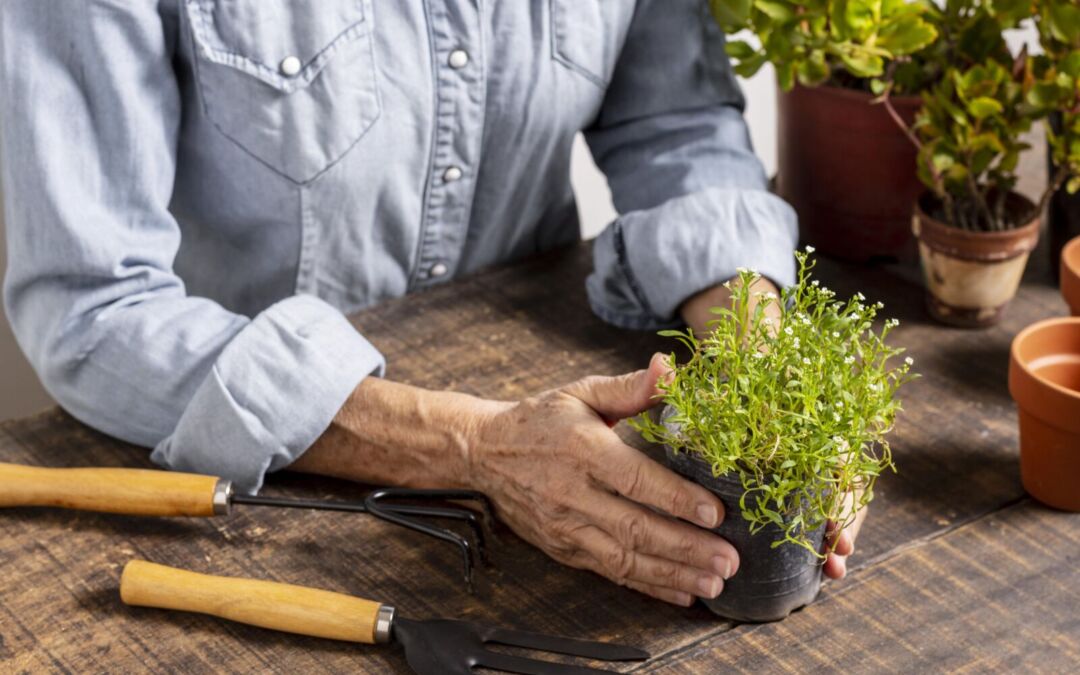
584,35
292,82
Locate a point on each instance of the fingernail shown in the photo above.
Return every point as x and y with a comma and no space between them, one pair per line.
843,566
709,587
722,565
684,599
706,514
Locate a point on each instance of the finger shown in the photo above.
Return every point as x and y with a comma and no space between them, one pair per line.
666,594
645,531
630,473
603,554
615,398
835,566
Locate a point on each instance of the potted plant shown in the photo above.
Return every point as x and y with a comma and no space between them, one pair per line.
843,164
1059,24
786,423
975,231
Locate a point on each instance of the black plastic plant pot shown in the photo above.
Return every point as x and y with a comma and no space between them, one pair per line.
770,582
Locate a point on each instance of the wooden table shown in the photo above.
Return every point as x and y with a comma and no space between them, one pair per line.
956,567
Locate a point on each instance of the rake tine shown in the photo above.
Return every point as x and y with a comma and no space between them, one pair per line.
527,666
461,513
561,645
389,515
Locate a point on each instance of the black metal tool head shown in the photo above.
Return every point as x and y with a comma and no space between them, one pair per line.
446,647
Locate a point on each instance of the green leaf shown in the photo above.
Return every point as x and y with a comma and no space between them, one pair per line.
983,107
863,64
738,49
1063,19
732,15
906,35
777,10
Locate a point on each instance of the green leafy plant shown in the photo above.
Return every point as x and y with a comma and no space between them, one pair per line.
969,132
813,41
799,409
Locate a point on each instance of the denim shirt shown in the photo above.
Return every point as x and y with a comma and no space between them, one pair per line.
197,190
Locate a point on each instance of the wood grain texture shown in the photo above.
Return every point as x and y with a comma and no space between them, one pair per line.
256,602
505,334
135,492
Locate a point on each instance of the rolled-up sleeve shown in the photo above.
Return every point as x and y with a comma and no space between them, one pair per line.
89,114
693,198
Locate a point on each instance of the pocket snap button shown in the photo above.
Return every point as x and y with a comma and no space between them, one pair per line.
290,66
459,58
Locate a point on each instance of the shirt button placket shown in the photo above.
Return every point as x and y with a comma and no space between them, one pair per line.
458,122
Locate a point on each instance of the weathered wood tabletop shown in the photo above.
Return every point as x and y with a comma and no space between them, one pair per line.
955,569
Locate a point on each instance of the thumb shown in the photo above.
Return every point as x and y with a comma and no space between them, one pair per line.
615,398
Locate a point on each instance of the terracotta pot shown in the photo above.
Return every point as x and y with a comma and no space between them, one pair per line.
1070,275
970,276
1044,380
849,171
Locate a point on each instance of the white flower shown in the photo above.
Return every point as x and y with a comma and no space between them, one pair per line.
796,343
836,416
769,295
805,361
860,297
768,321
759,355
815,282
787,330
741,270
836,334
849,359
910,361
809,249
875,387
840,405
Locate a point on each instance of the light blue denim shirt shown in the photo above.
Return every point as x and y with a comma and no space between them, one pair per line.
196,190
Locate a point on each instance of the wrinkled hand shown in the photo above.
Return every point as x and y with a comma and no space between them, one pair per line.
843,542
563,480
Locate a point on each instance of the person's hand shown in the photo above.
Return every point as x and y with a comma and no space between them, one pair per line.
564,481
697,310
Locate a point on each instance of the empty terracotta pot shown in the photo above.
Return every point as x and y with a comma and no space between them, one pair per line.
970,275
848,170
1070,275
1044,380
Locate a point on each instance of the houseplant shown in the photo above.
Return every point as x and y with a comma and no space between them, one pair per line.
843,164
975,232
784,422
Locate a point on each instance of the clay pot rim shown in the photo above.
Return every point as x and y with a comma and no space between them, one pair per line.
1023,364
847,92
939,230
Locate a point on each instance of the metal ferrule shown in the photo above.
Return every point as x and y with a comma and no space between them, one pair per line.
223,492
383,622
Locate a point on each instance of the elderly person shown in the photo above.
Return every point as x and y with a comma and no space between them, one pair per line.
197,190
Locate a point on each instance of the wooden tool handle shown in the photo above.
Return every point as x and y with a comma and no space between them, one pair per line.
139,492
284,607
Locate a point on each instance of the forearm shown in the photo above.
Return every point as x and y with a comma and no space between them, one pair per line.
696,310
389,433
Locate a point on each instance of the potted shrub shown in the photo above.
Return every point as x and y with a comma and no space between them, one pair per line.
843,164
787,424
1059,32
974,231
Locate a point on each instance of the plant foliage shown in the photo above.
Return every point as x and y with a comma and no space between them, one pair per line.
798,410
810,40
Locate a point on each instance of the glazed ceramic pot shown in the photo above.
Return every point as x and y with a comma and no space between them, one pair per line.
848,170
972,275
770,582
1070,275
1044,380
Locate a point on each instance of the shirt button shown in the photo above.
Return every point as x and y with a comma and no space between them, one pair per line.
451,174
437,270
459,58
290,65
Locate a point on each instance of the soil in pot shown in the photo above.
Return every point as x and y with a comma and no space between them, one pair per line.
771,582
1070,275
972,275
1044,380
849,171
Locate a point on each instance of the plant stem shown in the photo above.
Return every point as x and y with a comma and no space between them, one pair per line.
1052,187
980,204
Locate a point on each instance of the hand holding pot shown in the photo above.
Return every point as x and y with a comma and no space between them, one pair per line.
564,481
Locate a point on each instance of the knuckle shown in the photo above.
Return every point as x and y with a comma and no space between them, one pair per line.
632,479
619,564
631,529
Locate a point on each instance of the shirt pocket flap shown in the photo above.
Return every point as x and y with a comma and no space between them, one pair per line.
283,44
